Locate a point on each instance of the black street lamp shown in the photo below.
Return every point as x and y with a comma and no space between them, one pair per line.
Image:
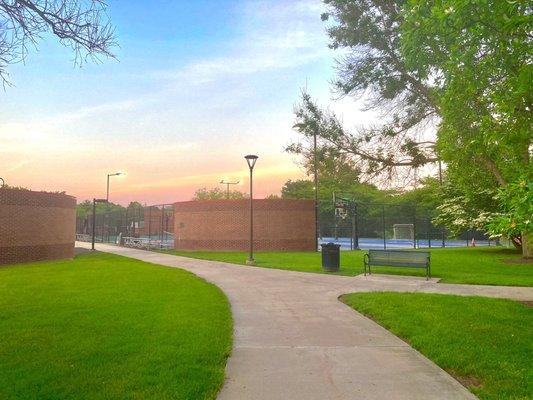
3,182
315,179
227,183
108,175
251,160
94,219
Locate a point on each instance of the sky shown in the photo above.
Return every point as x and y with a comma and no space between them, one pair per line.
197,85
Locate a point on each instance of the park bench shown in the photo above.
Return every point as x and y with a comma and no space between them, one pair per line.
397,258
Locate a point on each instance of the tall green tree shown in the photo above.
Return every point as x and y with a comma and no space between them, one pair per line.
298,189
85,208
478,55
461,70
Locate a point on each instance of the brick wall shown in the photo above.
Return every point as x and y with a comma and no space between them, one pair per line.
36,226
224,225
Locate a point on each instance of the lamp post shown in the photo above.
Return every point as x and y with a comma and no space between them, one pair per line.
3,182
94,219
108,175
251,160
227,183
315,178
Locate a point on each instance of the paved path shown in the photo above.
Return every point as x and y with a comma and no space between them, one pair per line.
294,340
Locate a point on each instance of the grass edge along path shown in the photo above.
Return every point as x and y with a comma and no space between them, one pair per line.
103,326
485,343
479,265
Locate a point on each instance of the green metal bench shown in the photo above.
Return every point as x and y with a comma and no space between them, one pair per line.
397,258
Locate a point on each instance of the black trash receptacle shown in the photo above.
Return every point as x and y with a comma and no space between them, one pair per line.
331,255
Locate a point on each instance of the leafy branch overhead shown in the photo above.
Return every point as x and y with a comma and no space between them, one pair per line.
374,71
374,153
82,25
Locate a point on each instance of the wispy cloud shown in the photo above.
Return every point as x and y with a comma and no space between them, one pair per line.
272,37
92,111
206,71
45,133
18,165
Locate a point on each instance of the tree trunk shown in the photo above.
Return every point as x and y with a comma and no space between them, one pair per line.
527,244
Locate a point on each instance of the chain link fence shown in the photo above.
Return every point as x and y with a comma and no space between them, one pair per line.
386,226
358,226
143,227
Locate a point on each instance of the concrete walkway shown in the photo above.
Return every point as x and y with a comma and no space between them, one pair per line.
293,339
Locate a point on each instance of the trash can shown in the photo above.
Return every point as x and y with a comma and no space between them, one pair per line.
331,256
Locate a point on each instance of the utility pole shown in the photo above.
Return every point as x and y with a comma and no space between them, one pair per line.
227,183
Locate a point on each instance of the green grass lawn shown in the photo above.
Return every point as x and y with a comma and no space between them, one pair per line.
487,344
480,265
108,327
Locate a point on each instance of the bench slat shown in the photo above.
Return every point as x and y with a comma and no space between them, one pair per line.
398,264
398,258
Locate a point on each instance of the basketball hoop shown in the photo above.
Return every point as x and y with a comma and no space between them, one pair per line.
341,207
341,212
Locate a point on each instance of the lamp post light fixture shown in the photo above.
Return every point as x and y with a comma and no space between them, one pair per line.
3,182
94,219
108,175
227,183
251,160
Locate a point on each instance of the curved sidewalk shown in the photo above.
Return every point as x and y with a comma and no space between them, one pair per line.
293,339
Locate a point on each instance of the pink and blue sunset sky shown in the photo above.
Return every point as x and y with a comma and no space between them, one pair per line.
197,86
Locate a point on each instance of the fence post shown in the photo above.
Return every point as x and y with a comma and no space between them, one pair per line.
383,223
133,222
162,222
94,224
429,231
356,226
127,223
140,215
414,226
352,233
149,224
102,226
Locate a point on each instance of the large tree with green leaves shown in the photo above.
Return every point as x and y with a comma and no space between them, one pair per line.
478,54
461,70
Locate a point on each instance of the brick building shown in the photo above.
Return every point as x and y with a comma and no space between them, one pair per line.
36,226
279,224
